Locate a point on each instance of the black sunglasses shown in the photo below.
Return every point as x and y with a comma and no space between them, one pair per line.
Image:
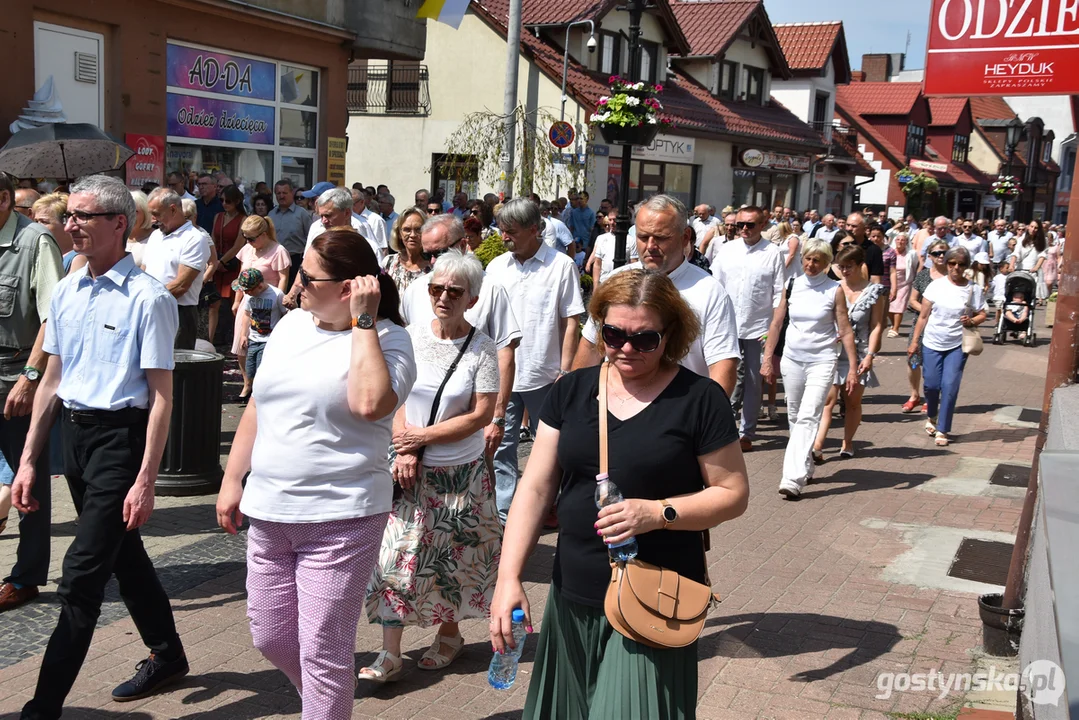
433,211
436,291
250,239
939,253
429,256
306,279
746,225
646,342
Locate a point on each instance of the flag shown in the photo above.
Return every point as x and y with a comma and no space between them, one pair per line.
450,12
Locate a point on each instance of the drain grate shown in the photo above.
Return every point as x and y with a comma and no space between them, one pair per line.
1010,476
1029,415
983,561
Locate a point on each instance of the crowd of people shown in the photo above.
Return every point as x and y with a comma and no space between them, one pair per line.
392,364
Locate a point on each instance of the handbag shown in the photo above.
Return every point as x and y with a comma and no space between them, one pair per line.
397,489
646,603
972,339
782,341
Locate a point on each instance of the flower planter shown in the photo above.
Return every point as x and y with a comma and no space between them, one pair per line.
642,135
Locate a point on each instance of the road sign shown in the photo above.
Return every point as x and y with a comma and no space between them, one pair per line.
903,179
561,134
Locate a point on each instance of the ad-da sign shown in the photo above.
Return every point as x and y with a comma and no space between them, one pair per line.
1003,47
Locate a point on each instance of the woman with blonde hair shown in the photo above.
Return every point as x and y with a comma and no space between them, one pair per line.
142,229
48,210
691,478
407,262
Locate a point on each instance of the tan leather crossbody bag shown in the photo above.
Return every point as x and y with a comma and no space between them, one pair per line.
646,603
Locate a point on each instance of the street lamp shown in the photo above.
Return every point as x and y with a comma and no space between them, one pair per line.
565,71
1013,133
622,224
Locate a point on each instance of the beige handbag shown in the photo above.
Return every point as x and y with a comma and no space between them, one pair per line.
646,603
972,339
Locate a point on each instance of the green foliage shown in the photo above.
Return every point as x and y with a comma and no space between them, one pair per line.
490,248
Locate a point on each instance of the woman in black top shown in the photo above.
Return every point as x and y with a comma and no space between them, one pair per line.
673,441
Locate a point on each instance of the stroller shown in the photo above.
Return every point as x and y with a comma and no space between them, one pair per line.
1026,284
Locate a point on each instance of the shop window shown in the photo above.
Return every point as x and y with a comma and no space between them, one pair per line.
743,187
678,182
649,61
455,173
299,128
300,170
754,86
248,166
1047,156
728,79
960,148
915,140
610,52
299,86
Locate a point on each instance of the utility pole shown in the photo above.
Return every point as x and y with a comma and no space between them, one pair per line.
509,101
623,223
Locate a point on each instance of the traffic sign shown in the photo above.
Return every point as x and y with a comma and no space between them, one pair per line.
903,179
561,134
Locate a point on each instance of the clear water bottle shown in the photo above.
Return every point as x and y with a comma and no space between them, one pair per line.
607,493
503,670
913,361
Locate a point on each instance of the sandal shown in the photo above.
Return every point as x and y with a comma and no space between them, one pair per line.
846,454
942,439
892,334
438,661
930,427
910,405
377,672
818,457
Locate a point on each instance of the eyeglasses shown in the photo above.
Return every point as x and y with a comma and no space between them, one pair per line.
646,342
957,264
306,279
939,253
745,225
249,238
454,293
429,256
81,218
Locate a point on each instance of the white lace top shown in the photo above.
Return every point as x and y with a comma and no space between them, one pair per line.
476,373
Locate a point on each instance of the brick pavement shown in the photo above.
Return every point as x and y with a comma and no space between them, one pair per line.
806,626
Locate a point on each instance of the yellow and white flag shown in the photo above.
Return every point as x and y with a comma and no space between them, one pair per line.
450,12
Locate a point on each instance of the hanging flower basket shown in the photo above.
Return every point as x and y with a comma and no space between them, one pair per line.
1007,187
630,115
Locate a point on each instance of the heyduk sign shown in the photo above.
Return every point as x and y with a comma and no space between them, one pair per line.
1003,47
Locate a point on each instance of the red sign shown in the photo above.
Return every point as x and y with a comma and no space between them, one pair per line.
1003,47
561,134
148,162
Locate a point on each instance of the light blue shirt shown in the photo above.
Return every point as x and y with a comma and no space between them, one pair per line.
108,331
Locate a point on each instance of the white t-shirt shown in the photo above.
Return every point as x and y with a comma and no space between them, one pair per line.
476,373
317,228
491,314
812,332
753,276
313,460
265,310
543,290
164,254
998,245
944,332
556,234
996,287
718,339
604,252
1025,257
378,229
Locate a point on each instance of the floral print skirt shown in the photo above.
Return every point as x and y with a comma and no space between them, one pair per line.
439,556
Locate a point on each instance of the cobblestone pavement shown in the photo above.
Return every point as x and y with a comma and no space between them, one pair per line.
820,596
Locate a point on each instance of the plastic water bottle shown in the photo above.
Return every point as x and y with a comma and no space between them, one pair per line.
607,493
913,362
503,670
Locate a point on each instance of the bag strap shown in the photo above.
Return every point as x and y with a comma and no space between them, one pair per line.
438,395
604,369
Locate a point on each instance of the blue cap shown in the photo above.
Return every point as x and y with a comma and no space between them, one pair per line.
318,190
518,615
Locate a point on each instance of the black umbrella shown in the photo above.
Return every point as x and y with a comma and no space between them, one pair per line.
63,151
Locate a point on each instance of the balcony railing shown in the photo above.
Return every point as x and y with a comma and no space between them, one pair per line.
388,90
842,141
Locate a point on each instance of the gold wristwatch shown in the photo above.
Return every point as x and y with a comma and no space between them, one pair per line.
669,514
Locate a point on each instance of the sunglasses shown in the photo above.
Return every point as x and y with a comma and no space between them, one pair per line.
957,264
306,279
646,342
745,225
250,238
454,293
432,211
845,243
939,253
429,256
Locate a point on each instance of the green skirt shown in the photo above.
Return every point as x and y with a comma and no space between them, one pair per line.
586,670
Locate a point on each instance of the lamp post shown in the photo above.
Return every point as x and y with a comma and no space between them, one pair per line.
1013,133
622,223
565,71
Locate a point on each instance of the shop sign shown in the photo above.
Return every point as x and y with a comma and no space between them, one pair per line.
993,47
148,162
990,202
930,166
667,148
220,73
335,160
895,213
968,201
212,119
766,160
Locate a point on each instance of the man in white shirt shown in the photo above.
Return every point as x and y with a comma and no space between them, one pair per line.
941,231
998,243
176,182
545,294
334,209
662,235
176,255
703,220
378,229
973,243
556,233
828,230
812,224
751,270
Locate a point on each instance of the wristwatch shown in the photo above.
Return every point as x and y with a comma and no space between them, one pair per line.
363,322
31,373
499,421
669,514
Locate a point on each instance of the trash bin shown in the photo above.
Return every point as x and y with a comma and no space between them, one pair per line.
191,463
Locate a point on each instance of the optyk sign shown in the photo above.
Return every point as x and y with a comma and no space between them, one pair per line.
1003,47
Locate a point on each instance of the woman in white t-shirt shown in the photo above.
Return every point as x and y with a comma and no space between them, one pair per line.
314,439
1029,253
949,304
435,566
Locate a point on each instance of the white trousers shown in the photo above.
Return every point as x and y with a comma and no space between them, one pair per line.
805,387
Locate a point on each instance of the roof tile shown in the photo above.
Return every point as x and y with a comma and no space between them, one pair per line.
710,26
879,98
808,45
946,112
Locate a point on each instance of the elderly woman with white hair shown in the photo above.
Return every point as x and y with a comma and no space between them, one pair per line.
439,553
142,229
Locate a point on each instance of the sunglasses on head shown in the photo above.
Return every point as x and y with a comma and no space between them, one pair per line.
429,256
646,342
939,253
306,279
745,225
435,291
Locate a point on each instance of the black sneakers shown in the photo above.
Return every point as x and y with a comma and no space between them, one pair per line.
151,675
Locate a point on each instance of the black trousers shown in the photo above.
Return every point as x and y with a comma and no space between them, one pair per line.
101,464
188,331
294,269
32,556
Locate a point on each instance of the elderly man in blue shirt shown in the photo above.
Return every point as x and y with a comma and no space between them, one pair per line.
110,337
581,220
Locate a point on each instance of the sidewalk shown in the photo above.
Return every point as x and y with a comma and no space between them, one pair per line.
821,596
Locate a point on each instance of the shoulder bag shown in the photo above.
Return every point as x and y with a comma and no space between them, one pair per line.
645,603
972,339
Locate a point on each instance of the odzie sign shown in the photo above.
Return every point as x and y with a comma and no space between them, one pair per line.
1003,47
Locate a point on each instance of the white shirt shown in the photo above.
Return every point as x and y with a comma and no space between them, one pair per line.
378,229
476,373
1025,257
543,290
974,244
317,228
718,339
556,234
491,314
998,245
825,234
996,287
164,254
753,276
944,332
313,460
812,332
700,227
604,252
